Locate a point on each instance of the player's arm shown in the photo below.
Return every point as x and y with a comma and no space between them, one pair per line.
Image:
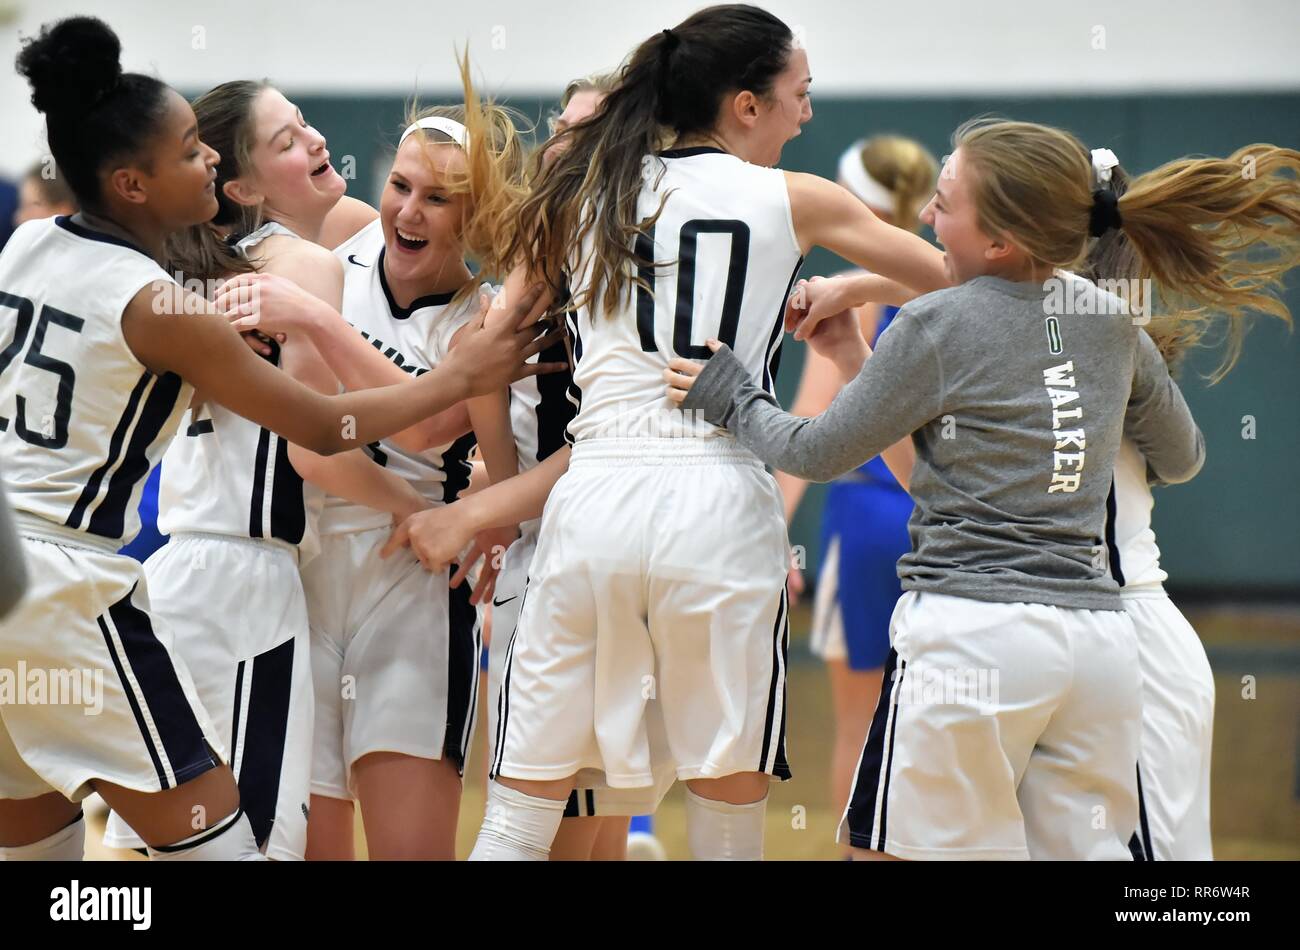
827,215
182,334
438,535
355,363
1159,421
344,220
353,475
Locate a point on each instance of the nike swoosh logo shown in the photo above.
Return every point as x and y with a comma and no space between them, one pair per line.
499,603
352,259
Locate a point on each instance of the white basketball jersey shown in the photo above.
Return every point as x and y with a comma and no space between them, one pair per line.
1139,557
82,421
223,474
416,338
728,257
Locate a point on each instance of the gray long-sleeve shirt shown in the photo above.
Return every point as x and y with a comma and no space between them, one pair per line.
1016,412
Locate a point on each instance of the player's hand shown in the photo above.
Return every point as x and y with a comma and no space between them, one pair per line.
682,373
268,303
490,547
815,300
436,536
490,356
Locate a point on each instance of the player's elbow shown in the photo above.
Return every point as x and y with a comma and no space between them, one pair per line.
1184,467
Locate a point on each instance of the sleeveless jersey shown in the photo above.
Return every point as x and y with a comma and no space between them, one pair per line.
82,421
223,474
415,338
726,257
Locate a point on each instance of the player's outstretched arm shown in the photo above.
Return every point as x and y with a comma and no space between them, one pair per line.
182,334
827,215
250,300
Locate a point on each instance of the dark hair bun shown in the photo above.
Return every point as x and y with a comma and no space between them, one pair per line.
71,65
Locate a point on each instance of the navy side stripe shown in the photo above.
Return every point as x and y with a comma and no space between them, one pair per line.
773,365
862,801
889,764
265,737
1116,569
91,490
255,527
1142,820
462,671
455,463
777,689
163,784
288,507
554,410
109,519
178,728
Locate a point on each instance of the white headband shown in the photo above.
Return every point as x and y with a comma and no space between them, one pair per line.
1103,160
871,192
448,127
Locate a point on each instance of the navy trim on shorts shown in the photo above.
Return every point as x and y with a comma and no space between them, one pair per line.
503,698
174,719
462,671
288,507
778,686
265,737
1141,849
219,830
861,814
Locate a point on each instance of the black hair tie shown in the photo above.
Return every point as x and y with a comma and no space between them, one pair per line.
671,41
1105,213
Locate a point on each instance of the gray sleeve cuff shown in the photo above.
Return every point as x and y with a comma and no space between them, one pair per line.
718,387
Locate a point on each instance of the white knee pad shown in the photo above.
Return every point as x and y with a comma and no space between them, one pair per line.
517,827
720,831
231,840
66,844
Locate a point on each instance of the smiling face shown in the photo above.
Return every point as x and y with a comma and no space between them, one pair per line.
290,173
422,219
779,117
179,170
951,212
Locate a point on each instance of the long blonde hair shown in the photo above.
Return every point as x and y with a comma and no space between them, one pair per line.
495,159
1215,237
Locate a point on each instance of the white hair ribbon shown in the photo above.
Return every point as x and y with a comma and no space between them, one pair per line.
1103,160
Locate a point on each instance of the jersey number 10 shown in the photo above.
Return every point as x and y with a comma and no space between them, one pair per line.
684,312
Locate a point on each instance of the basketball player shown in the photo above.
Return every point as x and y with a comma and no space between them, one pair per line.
864,520
637,647
1018,771
92,387
395,652
240,504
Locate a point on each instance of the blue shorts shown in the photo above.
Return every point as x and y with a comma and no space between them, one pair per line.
864,533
